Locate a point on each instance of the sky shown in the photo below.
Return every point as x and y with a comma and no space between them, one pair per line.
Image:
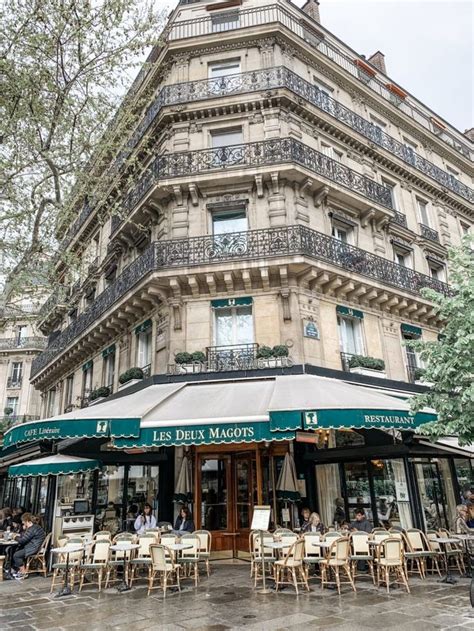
428,46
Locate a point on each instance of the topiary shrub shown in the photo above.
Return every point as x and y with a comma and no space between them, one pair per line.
280,350
131,373
99,393
8,411
419,373
199,356
360,361
183,358
264,352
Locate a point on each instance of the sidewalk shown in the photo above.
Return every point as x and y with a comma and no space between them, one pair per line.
227,601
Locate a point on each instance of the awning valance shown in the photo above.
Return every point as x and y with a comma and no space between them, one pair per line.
58,464
348,311
108,351
231,302
411,330
143,327
87,366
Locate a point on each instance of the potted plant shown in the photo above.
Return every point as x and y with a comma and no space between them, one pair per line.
369,366
99,394
8,411
190,362
130,377
419,377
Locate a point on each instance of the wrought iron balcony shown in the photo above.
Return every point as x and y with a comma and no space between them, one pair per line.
59,296
399,218
428,233
26,343
14,382
236,357
252,244
305,28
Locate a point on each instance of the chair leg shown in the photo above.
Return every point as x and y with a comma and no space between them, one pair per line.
338,580
165,580
349,576
371,568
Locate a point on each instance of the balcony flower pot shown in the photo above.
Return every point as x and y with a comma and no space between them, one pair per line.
364,71
397,95
130,377
368,372
368,366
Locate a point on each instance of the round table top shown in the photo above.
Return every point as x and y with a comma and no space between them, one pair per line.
446,540
464,537
68,549
276,545
323,544
123,547
180,546
8,542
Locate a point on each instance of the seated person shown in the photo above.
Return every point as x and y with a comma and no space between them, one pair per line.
184,522
304,521
315,524
145,520
361,522
28,543
7,519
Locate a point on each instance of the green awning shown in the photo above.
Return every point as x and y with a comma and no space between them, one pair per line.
144,326
51,429
58,464
348,311
365,419
411,330
108,351
216,434
88,365
231,302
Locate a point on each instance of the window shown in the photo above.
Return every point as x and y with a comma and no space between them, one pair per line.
437,272
225,21
224,138
402,257
413,360
21,334
393,196
350,335
68,390
12,404
51,402
87,370
16,373
378,128
342,232
465,229
223,68
234,325
229,221
331,152
452,171
423,212
410,148
109,371
144,349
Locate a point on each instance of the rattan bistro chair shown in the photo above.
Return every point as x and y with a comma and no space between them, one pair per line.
190,557
291,566
162,564
390,560
338,558
119,558
312,554
96,563
204,550
256,558
454,551
75,558
419,551
360,551
143,558
37,562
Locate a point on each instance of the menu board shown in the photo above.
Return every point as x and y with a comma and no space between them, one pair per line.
261,517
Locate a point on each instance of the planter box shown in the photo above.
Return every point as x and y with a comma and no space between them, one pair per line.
187,369
369,372
272,362
421,382
132,382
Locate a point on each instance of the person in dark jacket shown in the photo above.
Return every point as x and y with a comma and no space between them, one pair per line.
29,542
361,522
184,522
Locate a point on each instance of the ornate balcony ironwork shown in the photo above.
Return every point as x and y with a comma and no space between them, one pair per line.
236,357
300,25
26,343
59,296
428,233
252,244
399,218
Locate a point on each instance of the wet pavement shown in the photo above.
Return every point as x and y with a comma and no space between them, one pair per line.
227,600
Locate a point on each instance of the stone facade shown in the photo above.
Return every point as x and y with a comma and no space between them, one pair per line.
328,176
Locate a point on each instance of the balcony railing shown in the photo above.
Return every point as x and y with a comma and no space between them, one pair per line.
15,343
237,357
266,79
59,296
399,218
428,233
252,244
305,28
14,382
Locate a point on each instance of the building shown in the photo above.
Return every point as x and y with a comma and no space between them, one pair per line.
292,202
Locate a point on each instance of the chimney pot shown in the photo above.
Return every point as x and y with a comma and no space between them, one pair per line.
378,60
311,8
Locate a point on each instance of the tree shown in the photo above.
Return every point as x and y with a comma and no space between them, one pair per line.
450,360
66,66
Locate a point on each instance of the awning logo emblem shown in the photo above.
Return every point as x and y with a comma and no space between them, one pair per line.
102,427
310,419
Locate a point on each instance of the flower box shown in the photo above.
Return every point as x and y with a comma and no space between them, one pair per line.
96,401
368,372
127,384
368,70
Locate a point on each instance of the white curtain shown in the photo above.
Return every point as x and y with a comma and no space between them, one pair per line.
400,485
329,488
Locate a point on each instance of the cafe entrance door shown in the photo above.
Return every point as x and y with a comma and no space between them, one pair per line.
226,492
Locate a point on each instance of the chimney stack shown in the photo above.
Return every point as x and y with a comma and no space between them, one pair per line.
378,60
311,8
469,133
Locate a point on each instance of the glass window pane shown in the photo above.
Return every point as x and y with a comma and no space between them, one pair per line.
243,493
235,221
464,474
109,498
225,138
391,493
330,502
221,69
224,328
431,494
142,486
214,494
244,326
358,490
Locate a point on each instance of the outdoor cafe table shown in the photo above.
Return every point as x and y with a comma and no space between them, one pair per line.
125,547
66,551
445,541
179,547
7,546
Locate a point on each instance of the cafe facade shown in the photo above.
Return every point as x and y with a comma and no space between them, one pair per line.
230,436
